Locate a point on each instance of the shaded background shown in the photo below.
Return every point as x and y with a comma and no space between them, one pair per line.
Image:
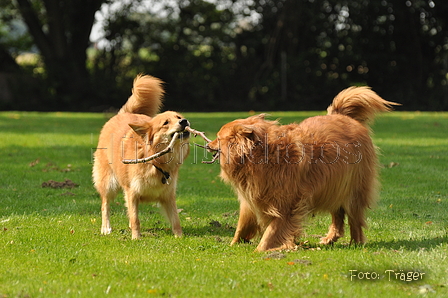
222,55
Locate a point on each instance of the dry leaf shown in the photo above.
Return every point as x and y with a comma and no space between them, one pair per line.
33,163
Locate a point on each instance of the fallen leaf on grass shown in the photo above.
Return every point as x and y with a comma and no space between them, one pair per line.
33,163
303,262
55,184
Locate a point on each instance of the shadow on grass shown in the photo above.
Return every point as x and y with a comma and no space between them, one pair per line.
209,230
394,245
165,231
409,245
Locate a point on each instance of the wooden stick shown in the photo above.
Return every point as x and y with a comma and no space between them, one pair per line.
205,147
158,154
170,147
215,157
201,134
196,132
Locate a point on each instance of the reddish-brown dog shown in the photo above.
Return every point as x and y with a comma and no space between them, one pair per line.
283,173
138,132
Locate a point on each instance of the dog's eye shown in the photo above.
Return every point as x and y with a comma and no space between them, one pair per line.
178,117
166,122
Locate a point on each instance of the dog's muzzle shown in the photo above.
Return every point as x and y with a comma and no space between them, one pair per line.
183,133
215,152
211,150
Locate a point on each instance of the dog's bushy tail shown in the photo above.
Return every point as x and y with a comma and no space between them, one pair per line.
146,98
359,103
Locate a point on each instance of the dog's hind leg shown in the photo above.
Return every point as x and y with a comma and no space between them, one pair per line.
357,221
247,226
280,234
107,188
132,202
336,229
357,218
283,230
105,215
364,196
170,209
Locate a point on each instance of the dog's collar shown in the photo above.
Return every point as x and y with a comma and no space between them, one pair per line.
166,175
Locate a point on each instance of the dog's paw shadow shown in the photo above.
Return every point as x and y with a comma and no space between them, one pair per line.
214,228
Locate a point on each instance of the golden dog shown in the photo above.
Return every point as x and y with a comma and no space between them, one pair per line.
283,173
137,131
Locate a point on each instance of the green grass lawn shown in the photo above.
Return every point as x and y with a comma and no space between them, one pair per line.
51,245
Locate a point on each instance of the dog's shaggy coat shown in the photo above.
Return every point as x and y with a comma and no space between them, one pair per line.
281,174
137,131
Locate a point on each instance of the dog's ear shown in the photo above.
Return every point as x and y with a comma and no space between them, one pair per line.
141,128
244,137
243,130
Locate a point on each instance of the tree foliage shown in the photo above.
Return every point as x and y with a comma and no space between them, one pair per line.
60,30
240,54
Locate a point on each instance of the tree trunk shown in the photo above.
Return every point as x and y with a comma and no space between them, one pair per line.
63,44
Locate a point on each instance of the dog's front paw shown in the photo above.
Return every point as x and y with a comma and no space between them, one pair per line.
327,240
136,235
106,230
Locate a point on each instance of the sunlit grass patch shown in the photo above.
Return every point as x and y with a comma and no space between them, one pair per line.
52,247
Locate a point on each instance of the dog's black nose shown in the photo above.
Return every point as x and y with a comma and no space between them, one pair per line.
184,123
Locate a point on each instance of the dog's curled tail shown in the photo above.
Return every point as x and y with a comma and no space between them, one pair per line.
146,98
359,103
